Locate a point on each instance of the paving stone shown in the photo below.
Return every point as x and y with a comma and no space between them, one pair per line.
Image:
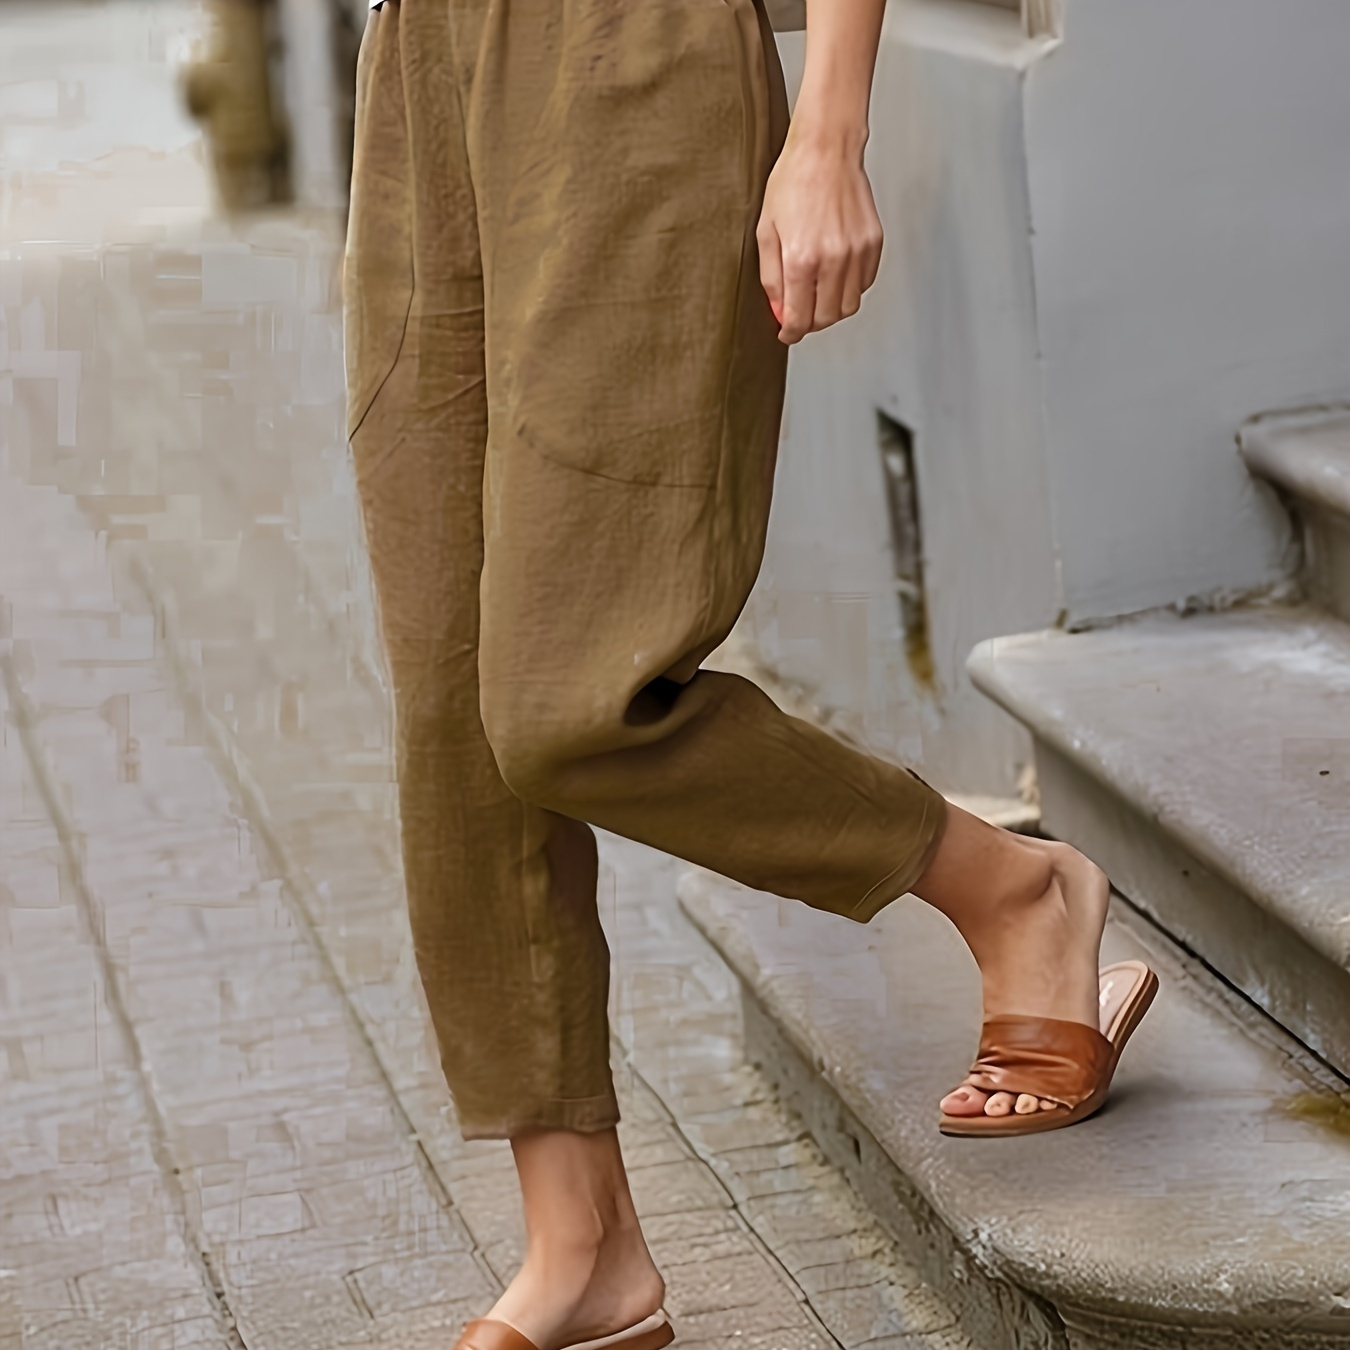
305,1314
696,1246
89,1224
657,1152
845,1274
503,1255
905,1341
743,1331
687,1228
668,1188
805,1172
783,1218
73,1333
427,1328
762,1123
740,1281
405,1285
865,1312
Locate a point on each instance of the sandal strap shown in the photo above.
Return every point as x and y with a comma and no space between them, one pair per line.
485,1333
1063,1062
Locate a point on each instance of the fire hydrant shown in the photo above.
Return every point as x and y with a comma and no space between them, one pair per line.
229,91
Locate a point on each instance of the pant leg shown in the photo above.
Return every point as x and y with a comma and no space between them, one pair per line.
501,895
635,383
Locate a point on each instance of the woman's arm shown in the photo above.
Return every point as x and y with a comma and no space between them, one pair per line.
819,233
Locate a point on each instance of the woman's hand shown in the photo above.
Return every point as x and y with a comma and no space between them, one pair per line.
819,234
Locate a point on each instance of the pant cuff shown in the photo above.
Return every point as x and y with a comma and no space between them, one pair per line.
582,1115
901,881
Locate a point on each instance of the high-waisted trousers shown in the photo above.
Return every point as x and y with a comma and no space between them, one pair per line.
565,386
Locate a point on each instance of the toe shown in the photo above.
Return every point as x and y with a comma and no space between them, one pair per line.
1048,1106
1027,1104
964,1101
999,1104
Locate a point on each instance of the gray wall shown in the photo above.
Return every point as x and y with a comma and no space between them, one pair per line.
1104,253
1189,170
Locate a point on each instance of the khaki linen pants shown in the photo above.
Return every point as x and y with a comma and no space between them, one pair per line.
565,391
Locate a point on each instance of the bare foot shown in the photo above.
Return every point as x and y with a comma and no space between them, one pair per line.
1036,935
587,1272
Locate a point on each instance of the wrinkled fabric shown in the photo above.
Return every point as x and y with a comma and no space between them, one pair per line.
1064,1062
565,389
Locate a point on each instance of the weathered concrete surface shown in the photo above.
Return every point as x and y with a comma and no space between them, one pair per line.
1226,738
1198,1209
1307,457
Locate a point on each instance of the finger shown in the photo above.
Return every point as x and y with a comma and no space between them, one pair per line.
771,267
871,256
851,301
830,282
799,297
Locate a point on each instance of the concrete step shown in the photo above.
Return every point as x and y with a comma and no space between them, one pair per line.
1205,763
1207,1205
1306,456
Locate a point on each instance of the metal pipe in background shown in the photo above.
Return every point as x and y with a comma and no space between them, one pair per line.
229,90
275,94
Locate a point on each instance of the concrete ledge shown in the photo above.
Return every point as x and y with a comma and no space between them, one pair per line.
1256,952
1307,457
1202,1208
1306,454
1226,741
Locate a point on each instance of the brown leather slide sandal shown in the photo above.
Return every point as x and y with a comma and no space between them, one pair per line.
1068,1063
652,1333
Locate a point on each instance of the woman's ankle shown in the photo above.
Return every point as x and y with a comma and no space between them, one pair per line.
569,1289
573,1182
1028,878
587,1270
983,876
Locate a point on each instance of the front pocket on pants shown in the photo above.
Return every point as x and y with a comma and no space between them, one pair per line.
618,239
